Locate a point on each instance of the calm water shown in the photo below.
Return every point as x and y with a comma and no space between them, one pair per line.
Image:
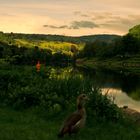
123,86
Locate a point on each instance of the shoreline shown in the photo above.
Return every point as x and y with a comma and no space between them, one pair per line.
110,64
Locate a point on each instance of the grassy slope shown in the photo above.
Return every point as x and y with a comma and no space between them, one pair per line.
33,125
53,45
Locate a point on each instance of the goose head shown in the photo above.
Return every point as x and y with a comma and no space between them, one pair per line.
81,100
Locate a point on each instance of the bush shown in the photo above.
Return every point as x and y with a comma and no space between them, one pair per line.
101,107
24,88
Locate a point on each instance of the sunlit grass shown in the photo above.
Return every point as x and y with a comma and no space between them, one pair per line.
55,46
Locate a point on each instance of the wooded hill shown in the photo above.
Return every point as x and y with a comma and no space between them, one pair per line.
61,38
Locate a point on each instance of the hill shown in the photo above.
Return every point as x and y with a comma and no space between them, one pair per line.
135,31
61,38
102,37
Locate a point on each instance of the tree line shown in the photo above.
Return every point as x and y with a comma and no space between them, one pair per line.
23,55
126,46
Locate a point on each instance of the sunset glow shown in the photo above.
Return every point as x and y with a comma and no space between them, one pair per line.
69,17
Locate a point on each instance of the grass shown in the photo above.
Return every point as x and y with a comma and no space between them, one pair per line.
23,125
55,46
36,124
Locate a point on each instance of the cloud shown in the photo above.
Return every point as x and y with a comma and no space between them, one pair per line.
75,25
56,27
81,14
83,24
77,13
7,15
101,15
128,20
120,23
84,15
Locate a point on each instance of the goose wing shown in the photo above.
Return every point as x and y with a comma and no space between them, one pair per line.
69,124
73,119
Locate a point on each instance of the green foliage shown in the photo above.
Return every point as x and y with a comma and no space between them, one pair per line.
60,38
46,94
5,38
25,51
135,31
99,49
43,100
88,50
124,47
55,46
60,46
22,55
130,44
102,107
23,87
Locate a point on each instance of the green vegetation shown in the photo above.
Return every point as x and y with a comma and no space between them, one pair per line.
23,87
129,65
135,31
34,104
135,94
52,45
37,124
30,102
60,38
28,49
121,53
50,49
28,53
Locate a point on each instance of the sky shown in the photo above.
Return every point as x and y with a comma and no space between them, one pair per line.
69,17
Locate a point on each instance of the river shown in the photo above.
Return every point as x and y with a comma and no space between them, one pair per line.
124,87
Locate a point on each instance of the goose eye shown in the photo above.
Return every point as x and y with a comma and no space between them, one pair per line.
84,96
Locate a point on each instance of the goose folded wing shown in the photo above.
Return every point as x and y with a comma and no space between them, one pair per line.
73,119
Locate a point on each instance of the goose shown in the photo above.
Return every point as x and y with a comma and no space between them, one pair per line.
77,119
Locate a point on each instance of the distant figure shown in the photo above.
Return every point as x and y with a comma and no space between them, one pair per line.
38,65
77,119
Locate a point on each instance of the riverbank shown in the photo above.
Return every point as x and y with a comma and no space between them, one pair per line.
130,64
132,114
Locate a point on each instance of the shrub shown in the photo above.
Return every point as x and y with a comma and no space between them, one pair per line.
23,88
101,107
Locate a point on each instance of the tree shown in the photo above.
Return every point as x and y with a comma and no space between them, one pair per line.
130,44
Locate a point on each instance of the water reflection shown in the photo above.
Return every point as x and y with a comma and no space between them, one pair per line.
122,99
124,87
128,83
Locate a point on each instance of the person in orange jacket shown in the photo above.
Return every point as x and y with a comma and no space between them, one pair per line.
38,65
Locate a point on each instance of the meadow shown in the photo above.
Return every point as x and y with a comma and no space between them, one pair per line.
54,46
